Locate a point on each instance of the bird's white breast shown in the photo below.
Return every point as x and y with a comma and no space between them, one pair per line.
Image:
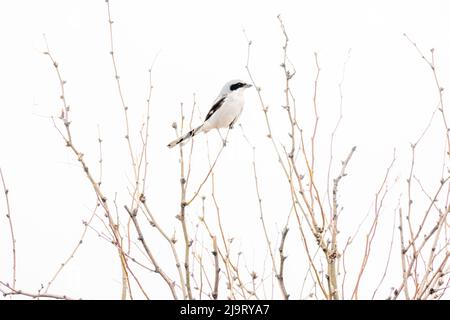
230,110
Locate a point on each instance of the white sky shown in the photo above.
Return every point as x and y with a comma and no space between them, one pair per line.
389,95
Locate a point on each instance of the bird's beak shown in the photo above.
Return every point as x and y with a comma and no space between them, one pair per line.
248,85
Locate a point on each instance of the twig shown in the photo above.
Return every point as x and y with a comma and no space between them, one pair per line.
11,230
211,168
119,88
182,216
141,238
378,204
74,250
32,295
332,254
280,275
215,292
170,240
264,108
336,127
391,244
405,274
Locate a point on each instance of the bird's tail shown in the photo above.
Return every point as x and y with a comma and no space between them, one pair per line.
184,139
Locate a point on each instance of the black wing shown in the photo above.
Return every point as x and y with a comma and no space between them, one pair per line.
214,108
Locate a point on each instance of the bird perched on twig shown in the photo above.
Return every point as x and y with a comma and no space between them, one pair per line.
225,111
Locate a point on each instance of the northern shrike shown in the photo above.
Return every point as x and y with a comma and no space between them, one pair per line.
225,111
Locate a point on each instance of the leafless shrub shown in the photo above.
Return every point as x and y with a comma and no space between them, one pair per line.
215,268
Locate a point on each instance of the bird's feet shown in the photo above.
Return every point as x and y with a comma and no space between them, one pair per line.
224,142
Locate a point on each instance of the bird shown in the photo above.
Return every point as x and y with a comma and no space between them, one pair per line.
224,113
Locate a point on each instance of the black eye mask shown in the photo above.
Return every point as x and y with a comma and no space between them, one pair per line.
236,86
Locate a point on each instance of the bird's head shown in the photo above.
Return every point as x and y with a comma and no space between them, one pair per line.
235,86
